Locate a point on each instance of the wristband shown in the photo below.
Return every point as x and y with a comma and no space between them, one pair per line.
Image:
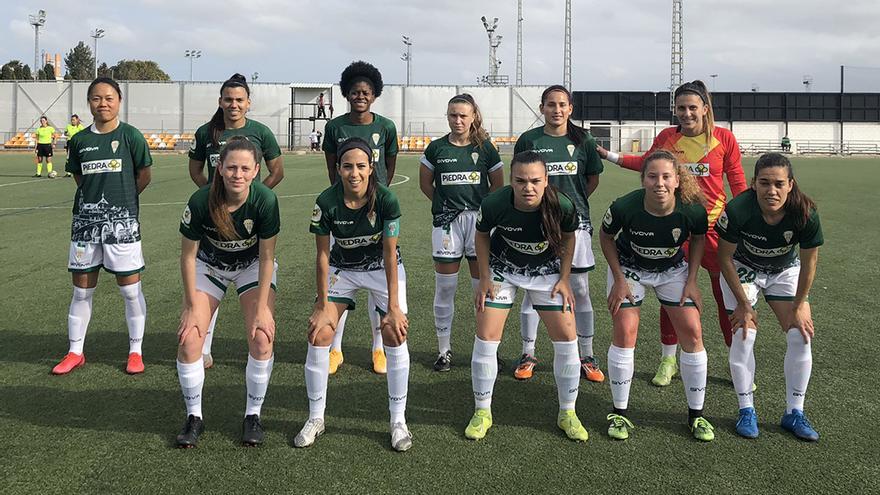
613,157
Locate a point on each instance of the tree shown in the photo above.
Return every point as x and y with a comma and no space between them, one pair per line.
138,70
47,73
104,71
80,62
15,70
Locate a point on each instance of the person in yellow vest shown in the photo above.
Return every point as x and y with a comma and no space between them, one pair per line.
72,128
45,135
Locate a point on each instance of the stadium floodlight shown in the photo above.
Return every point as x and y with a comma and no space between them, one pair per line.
713,76
192,55
755,88
255,76
494,43
97,33
407,57
37,20
807,82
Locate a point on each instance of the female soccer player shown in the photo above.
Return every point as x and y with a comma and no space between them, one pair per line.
759,231
364,218
710,153
110,162
72,128
651,225
229,231
531,248
574,167
457,172
361,83
230,120
45,144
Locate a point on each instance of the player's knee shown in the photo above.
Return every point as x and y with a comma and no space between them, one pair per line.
324,337
390,337
190,350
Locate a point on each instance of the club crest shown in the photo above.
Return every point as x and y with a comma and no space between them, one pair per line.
676,233
114,145
787,235
570,149
316,213
371,217
375,137
475,156
722,220
608,219
248,225
187,216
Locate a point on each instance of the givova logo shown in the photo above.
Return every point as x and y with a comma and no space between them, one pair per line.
234,245
654,253
112,165
460,178
356,242
562,168
767,253
527,247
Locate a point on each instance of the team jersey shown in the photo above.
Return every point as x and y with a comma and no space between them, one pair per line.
203,149
44,134
71,130
708,163
568,165
763,247
258,218
105,207
647,242
461,176
518,245
380,134
357,234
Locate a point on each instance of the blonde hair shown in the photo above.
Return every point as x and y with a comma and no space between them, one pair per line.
688,190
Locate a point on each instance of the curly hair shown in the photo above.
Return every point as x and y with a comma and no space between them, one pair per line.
688,190
361,71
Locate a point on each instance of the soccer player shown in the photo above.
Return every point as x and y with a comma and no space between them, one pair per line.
710,153
364,218
229,229
110,162
574,167
361,83
642,238
45,135
525,239
230,120
457,172
760,230
72,128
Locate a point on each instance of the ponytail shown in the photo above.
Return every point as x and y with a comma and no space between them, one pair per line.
699,88
217,200
797,205
217,125
551,211
477,135
575,133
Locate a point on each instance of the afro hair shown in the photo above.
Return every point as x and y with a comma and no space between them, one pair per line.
361,71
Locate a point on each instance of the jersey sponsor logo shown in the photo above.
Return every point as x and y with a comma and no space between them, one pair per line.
214,159
543,150
698,169
316,213
234,245
641,233
787,235
186,218
654,253
343,222
447,160
114,145
248,225
755,236
375,156
676,233
562,168
527,247
767,253
89,148
460,178
722,220
510,229
608,219
112,165
360,241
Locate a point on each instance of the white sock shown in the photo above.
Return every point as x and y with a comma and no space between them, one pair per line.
192,378
798,365
257,374
528,329
398,381
694,367
444,308
668,350
375,324
621,365
585,331
742,361
209,338
484,370
340,329
78,317
317,372
135,315
566,371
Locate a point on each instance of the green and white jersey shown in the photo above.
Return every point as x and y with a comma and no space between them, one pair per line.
105,207
518,245
647,242
461,176
760,246
203,149
357,235
381,134
568,165
258,218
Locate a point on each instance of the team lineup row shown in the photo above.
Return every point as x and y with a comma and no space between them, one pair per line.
534,234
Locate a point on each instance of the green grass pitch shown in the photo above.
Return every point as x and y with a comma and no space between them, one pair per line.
99,430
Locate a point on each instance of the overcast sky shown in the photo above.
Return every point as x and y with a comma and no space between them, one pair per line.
617,44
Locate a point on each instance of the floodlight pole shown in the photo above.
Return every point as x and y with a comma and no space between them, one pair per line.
192,55
37,20
519,26
96,34
677,62
566,64
407,57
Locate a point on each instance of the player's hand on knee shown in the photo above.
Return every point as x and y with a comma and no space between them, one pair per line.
745,317
188,326
692,292
486,289
802,319
620,292
396,322
563,288
263,323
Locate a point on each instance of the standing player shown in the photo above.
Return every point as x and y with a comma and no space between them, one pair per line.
364,218
651,225
229,232
457,172
361,83
45,135
230,120
110,162
72,128
530,247
574,167
710,153
759,231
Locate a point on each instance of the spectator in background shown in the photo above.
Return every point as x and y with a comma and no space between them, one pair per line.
321,113
72,128
786,144
313,141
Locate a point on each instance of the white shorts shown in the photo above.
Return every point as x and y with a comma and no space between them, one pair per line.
668,285
342,287
780,286
537,290
580,282
214,281
118,259
583,260
456,240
